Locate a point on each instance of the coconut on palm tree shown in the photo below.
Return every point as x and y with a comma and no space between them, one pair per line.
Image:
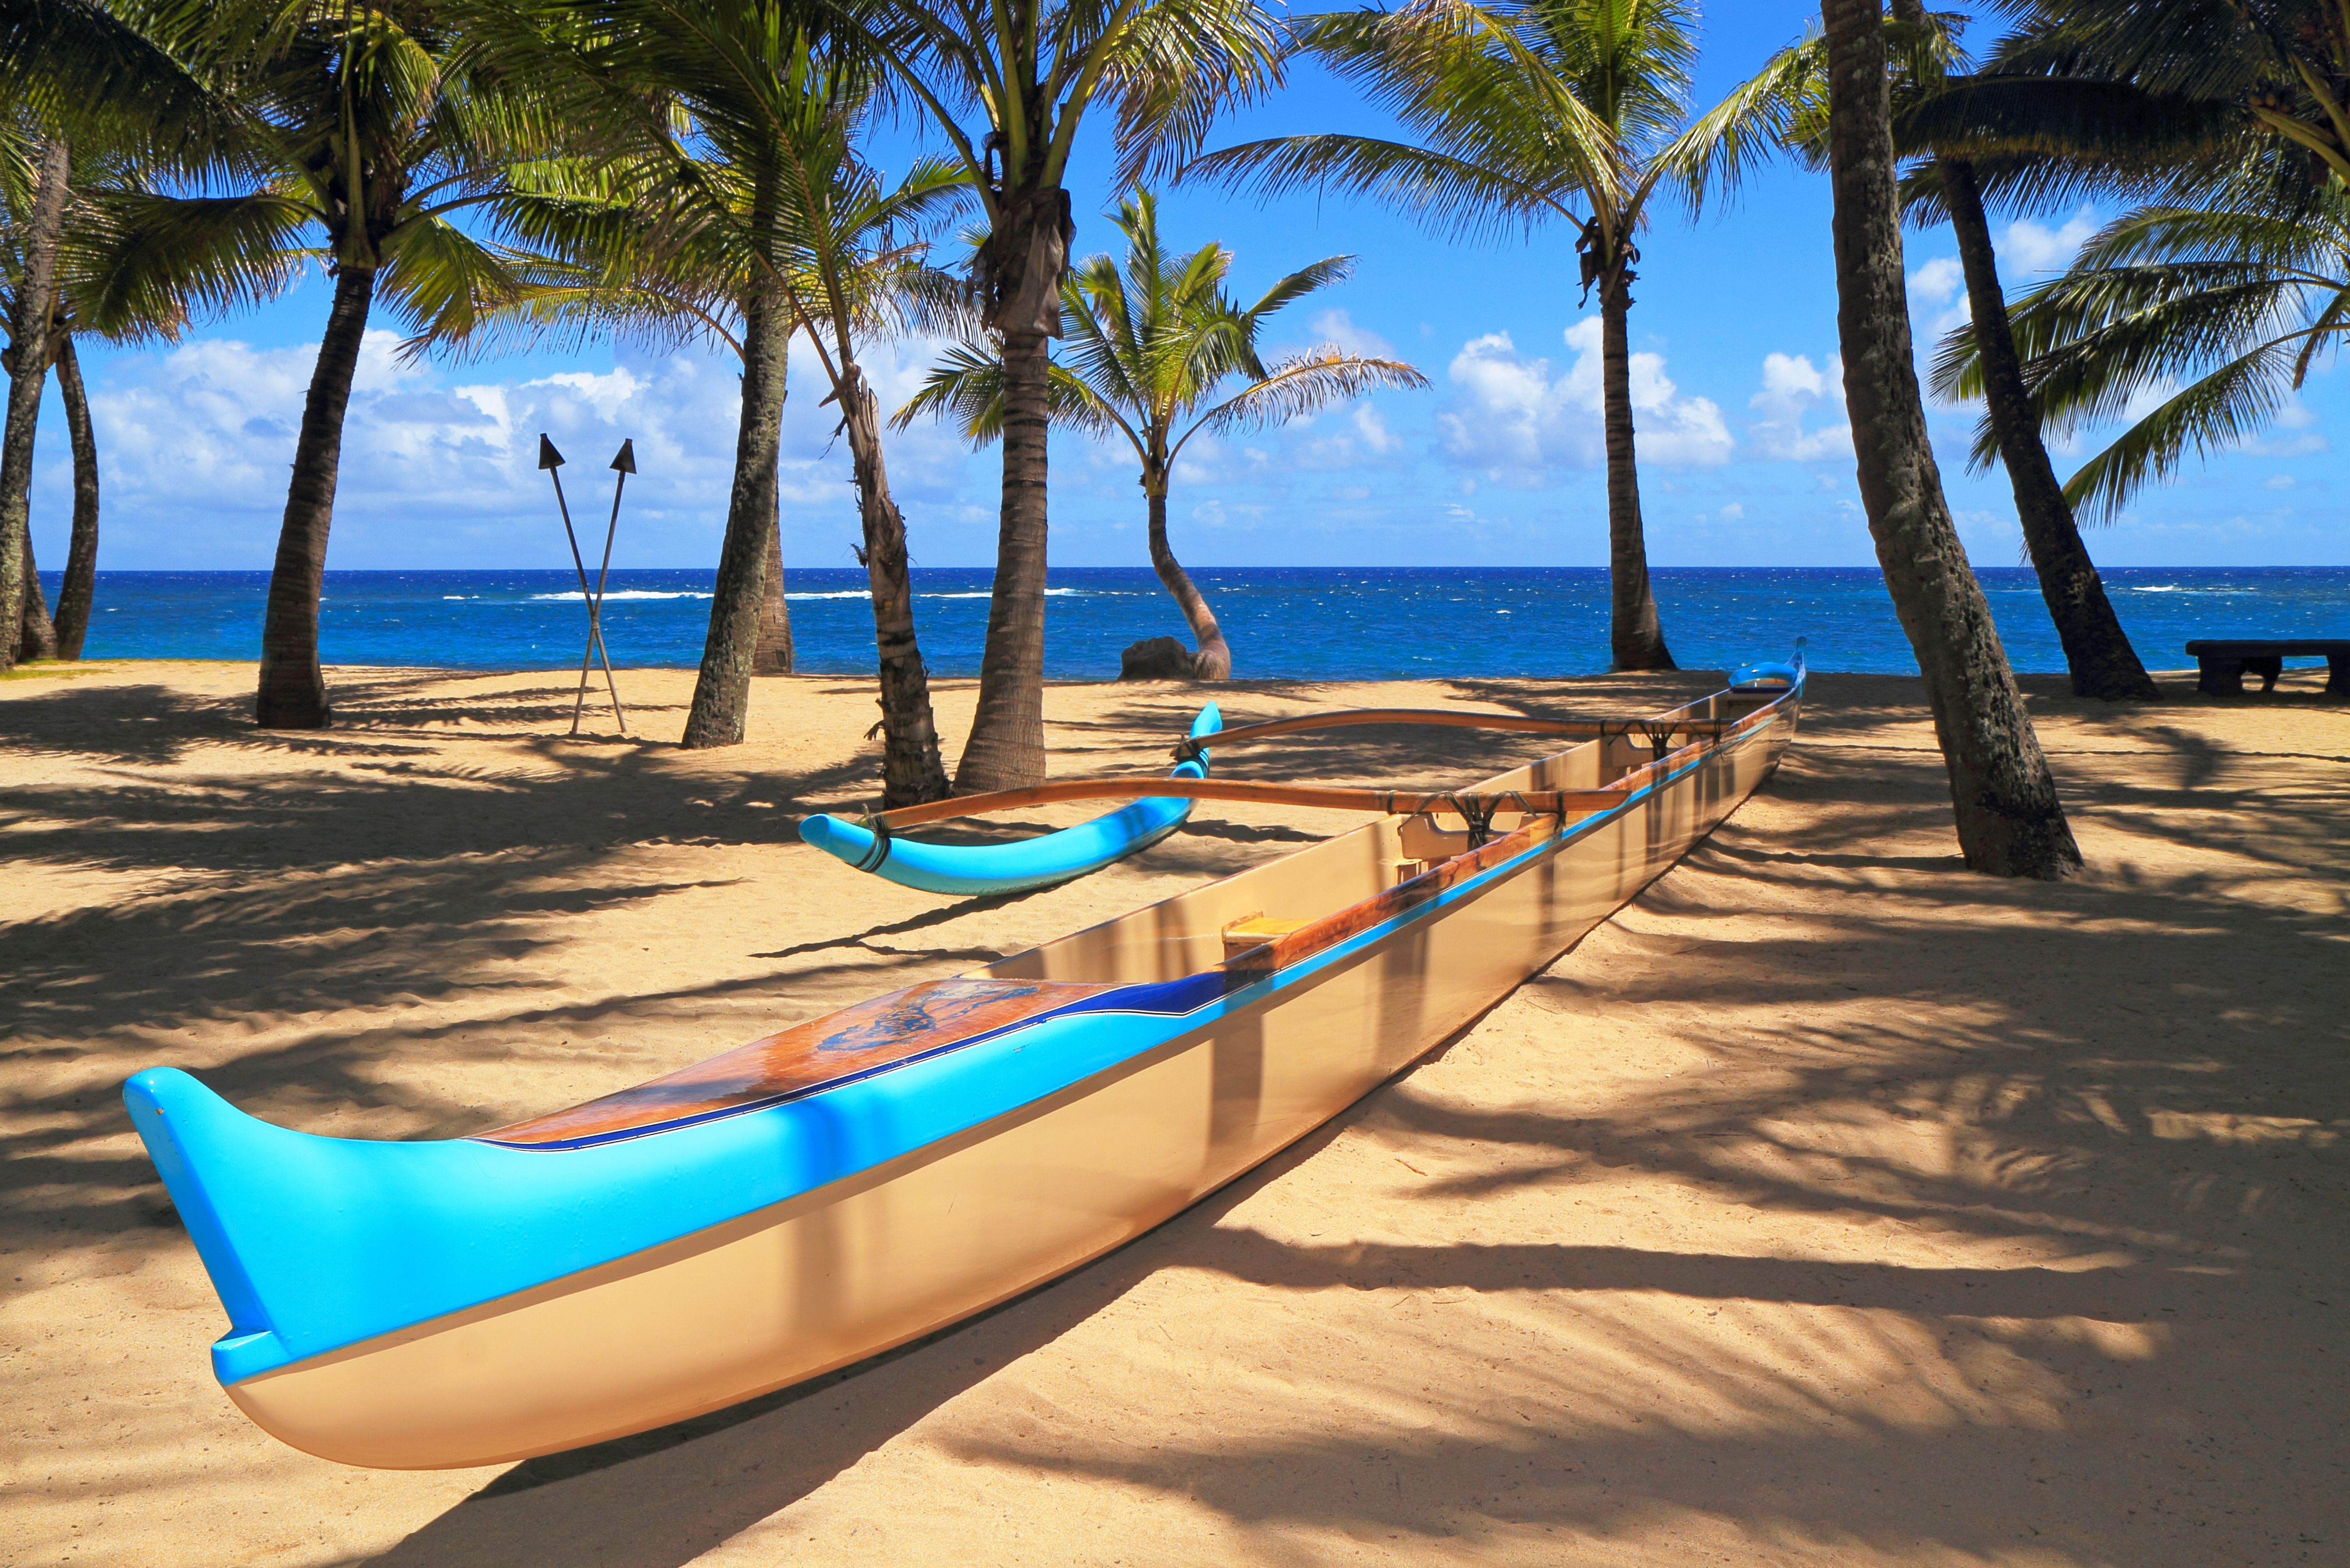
1009,84
1150,342
1544,111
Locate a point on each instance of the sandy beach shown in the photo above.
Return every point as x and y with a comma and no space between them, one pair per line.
1828,1205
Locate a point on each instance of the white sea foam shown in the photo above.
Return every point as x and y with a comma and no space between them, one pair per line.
843,594
574,596
989,593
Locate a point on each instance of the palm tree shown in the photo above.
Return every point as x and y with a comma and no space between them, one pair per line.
1009,83
28,334
115,280
2281,66
738,185
76,70
1530,112
2033,137
373,129
2237,297
2010,821
1150,345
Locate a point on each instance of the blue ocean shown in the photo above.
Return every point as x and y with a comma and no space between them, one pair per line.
1296,623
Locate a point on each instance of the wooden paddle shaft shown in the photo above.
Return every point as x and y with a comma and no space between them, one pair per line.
1386,802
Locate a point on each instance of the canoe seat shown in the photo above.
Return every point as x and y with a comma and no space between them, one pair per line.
1256,930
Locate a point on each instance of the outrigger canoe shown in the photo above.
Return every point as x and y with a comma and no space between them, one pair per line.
850,1183
971,869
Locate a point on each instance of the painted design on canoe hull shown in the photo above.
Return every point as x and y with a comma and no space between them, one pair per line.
1211,1069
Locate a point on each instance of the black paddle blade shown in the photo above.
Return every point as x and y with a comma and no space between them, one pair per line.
625,460
547,456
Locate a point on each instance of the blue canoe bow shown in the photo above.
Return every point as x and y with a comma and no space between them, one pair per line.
969,869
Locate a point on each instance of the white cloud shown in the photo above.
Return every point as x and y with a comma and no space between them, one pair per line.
1337,327
2025,250
1510,414
1733,512
1938,280
1792,387
195,442
2026,247
1373,431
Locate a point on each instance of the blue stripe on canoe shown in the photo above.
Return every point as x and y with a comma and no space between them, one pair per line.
972,869
318,1243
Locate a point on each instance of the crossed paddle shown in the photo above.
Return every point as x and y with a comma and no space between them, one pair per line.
624,464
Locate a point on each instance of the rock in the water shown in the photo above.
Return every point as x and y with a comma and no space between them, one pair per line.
1154,659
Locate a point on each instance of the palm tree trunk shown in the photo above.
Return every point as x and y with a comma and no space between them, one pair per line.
722,695
1213,662
79,588
911,770
1634,633
36,635
2096,650
2010,821
1636,638
774,653
1007,748
293,690
29,334
1022,264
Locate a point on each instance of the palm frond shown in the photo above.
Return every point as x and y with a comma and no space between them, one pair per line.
1307,384
2219,411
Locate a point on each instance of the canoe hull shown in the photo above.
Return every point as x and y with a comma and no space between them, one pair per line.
857,1266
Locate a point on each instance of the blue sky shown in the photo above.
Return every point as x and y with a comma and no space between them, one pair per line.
1745,457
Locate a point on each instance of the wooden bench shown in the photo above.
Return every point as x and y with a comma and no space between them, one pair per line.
2222,666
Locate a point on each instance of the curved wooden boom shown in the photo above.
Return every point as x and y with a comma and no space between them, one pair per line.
1453,718
1386,802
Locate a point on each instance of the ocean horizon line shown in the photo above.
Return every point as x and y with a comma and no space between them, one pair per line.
1283,623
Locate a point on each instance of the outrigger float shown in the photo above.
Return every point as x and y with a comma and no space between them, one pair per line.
853,1182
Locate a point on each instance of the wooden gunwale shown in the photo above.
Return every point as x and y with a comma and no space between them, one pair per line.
1339,925
905,1025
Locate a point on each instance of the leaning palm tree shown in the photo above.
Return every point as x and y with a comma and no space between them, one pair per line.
364,132
732,144
603,271
1527,112
1009,83
33,309
115,281
2010,821
2236,297
1971,139
1149,344
76,72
